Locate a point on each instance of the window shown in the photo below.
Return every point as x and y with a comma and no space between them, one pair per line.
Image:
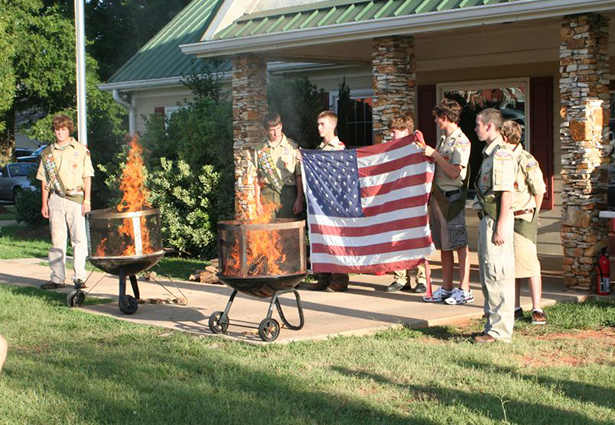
509,96
355,126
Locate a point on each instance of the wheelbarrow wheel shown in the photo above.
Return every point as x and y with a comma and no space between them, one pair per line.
216,324
75,298
269,329
128,304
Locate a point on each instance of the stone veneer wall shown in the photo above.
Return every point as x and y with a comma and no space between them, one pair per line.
584,93
249,87
393,67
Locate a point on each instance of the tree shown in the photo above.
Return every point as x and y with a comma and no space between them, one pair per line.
117,29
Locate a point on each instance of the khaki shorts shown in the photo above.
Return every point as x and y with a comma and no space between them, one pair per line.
526,258
447,236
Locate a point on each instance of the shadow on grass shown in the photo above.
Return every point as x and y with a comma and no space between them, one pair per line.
207,388
586,393
493,406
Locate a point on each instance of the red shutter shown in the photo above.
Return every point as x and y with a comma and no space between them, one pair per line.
426,103
159,110
541,131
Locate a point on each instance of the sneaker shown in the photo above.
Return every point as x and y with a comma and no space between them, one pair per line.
518,313
79,284
52,285
459,296
538,317
440,295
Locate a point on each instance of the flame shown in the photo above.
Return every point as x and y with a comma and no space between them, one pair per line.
263,247
134,199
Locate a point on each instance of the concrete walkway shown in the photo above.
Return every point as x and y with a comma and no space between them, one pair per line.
363,309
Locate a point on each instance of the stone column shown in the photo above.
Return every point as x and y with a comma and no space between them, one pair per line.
584,94
393,67
249,107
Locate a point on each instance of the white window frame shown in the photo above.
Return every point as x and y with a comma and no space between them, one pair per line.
441,88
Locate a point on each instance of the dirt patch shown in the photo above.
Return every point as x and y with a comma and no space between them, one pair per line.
602,343
606,333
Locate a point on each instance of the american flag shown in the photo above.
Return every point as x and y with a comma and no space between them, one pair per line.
367,207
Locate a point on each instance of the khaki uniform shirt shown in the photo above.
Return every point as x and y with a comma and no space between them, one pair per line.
455,149
528,183
73,163
334,145
497,171
284,156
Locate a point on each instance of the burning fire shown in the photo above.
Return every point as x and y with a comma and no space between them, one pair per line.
134,199
263,247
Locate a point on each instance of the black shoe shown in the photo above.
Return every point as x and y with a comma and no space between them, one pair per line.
79,284
420,288
52,285
318,286
518,313
394,287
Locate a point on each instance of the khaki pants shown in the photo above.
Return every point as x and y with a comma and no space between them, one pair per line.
418,273
66,215
497,276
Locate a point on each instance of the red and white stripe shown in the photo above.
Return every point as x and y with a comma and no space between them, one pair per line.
395,180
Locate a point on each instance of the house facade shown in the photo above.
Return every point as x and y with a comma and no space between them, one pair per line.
545,63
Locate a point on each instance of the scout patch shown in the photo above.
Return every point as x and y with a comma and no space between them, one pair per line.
532,165
502,155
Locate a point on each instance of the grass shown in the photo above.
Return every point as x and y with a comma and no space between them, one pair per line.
7,212
20,242
66,366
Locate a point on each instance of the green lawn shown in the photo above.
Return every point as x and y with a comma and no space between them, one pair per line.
70,367
20,242
7,212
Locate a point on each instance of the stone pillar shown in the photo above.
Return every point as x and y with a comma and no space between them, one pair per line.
584,94
249,107
393,67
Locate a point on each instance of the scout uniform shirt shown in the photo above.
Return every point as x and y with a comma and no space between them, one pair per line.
528,183
73,164
455,149
497,172
283,157
334,145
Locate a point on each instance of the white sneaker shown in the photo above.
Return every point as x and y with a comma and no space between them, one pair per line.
459,296
439,295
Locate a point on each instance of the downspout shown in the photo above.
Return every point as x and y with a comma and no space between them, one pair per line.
132,111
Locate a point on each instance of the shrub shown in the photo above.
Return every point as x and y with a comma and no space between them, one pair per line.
28,204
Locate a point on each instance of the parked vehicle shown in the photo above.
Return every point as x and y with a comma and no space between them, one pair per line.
14,177
34,157
21,152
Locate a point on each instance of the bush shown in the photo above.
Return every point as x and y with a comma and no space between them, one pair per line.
184,195
28,204
191,174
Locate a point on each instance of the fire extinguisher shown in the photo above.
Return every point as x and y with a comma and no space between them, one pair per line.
603,277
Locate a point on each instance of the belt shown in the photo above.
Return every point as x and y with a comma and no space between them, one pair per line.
451,192
526,211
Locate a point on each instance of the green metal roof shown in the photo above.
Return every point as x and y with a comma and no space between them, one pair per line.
161,57
335,12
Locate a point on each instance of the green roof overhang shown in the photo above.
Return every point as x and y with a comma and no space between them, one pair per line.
288,44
